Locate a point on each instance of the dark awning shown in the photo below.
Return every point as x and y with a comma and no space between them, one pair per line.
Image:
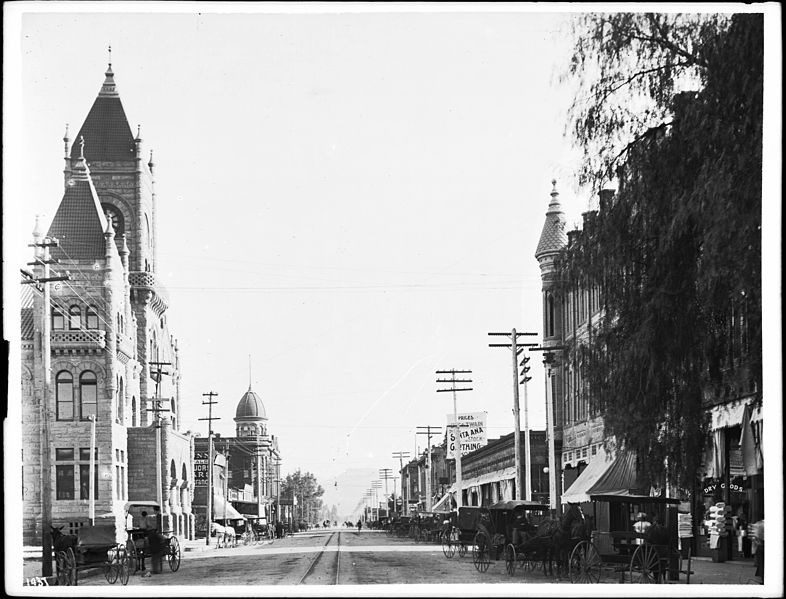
604,476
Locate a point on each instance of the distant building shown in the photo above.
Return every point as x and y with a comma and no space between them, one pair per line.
108,328
245,472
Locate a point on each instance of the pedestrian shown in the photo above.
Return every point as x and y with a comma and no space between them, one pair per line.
741,528
757,535
360,524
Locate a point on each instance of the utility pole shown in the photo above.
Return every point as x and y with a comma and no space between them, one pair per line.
428,432
386,474
376,485
157,409
210,418
548,362
517,348
401,455
453,381
91,473
43,260
278,490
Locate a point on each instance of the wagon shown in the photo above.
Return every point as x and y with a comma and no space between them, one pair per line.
138,542
617,546
514,524
429,527
470,526
96,547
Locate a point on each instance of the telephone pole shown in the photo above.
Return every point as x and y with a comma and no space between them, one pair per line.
401,455
376,485
517,348
386,474
428,432
43,260
210,418
453,381
157,409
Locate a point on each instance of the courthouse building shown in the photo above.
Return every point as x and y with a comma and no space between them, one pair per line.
108,330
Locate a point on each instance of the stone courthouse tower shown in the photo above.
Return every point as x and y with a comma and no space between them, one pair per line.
108,331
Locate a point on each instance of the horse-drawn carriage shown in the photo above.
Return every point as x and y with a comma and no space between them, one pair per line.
462,533
94,546
635,537
146,541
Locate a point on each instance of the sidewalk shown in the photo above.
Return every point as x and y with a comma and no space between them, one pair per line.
705,571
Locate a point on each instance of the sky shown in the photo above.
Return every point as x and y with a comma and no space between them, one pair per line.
352,199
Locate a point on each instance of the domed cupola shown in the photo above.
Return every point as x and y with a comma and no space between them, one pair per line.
250,407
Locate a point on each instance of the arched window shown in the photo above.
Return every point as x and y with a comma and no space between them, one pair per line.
58,320
74,317
184,474
173,471
121,399
133,411
92,318
88,392
64,390
147,232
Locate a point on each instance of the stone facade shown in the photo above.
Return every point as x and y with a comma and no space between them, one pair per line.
108,322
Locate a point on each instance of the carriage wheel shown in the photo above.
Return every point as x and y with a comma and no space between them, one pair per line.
111,569
173,554
70,567
132,556
462,549
481,552
124,565
447,546
510,559
61,571
645,565
584,564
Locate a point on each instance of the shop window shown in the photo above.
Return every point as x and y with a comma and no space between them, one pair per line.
92,318
88,392
74,318
58,320
84,454
64,391
64,455
64,481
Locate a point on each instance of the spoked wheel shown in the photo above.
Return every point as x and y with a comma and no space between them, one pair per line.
124,565
70,566
132,556
462,549
448,548
584,563
481,552
510,559
173,554
645,565
111,570
61,571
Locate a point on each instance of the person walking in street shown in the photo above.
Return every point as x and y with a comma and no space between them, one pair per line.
360,524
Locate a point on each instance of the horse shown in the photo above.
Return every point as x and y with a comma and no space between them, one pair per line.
61,541
560,536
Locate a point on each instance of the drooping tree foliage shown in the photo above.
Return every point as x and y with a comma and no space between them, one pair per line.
676,252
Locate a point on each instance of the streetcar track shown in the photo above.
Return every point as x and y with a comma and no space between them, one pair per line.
322,552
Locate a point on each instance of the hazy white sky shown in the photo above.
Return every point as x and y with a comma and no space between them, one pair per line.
352,199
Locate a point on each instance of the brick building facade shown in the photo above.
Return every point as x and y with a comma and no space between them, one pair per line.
108,328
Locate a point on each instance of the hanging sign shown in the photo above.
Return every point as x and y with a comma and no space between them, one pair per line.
200,468
472,431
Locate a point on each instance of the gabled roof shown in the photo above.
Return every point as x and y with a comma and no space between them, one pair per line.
553,237
106,131
79,222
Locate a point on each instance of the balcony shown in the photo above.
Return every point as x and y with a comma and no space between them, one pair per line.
68,340
146,281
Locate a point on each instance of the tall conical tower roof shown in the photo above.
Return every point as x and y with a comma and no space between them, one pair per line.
106,130
553,237
79,223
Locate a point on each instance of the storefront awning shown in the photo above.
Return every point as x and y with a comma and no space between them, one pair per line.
219,503
604,475
443,505
730,414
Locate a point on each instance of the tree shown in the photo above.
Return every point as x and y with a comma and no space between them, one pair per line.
307,490
677,251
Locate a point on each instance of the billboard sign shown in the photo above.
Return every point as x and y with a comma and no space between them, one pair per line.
200,468
472,431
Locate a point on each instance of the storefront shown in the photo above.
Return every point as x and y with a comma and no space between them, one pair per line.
733,473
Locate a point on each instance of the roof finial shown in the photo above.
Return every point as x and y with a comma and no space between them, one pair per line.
249,372
65,136
81,147
37,228
110,57
554,187
139,131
